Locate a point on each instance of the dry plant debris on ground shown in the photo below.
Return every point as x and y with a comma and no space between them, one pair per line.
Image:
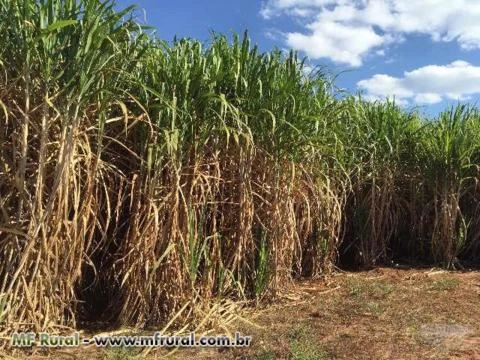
379,314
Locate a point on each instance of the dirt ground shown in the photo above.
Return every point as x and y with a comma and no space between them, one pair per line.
379,314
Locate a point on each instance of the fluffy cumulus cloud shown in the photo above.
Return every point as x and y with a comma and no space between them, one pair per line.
426,85
346,31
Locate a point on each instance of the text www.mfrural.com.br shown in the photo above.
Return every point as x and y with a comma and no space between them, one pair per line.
29,339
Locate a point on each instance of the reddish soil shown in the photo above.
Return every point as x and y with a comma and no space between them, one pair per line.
379,314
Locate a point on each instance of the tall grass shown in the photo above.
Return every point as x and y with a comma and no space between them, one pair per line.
139,179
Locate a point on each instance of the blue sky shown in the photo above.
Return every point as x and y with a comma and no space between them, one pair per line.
425,53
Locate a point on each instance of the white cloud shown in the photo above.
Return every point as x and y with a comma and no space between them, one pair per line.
341,43
426,85
428,98
346,31
276,7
